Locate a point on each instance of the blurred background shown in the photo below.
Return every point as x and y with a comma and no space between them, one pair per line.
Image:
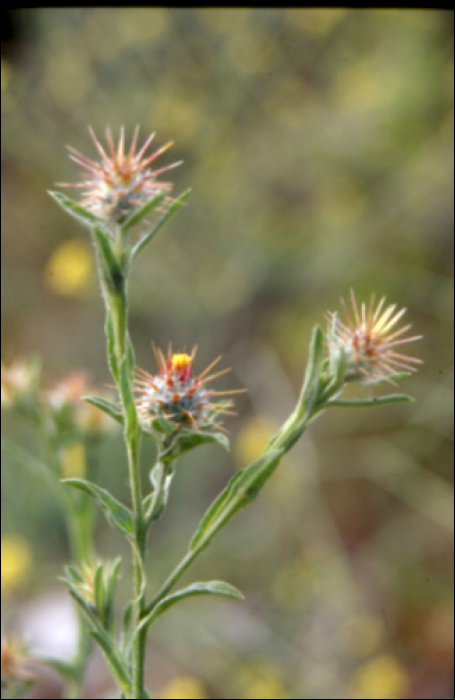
318,145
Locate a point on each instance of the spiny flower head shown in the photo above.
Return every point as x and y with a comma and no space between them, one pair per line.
177,395
367,341
19,380
14,660
70,411
121,181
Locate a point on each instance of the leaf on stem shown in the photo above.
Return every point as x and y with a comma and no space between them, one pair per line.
110,337
125,386
143,211
101,637
112,273
117,514
85,217
310,388
242,489
99,592
375,401
145,240
106,406
210,587
126,632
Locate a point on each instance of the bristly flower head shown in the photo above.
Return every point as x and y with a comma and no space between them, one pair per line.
121,181
178,396
367,340
15,675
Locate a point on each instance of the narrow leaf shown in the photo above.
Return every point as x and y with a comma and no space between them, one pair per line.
65,668
131,360
143,211
375,401
111,352
127,397
112,579
145,240
117,514
113,275
73,574
241,490
310,386
71,207
88,609
126,632
211,587
106,406
112,659
98,590
102,638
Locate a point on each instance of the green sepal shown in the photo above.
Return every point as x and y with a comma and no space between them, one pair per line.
145,240
187,440
162,425
108,407
73,574
117,514
142,213
242,489
85,217
210,587
99,593
104,585
113,275
87,607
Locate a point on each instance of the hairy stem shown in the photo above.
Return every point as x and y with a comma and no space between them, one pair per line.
118,308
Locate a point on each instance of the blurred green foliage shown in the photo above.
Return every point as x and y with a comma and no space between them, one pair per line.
319,148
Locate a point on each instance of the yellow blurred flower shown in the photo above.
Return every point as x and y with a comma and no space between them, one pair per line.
254,437
184,688
69,268
261,681
382,678
16,563
74,461
360,635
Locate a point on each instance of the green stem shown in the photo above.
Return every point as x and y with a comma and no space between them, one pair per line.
80,527
119,309
175,575
138,650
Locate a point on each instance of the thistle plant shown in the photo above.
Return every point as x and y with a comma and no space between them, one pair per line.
124,205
